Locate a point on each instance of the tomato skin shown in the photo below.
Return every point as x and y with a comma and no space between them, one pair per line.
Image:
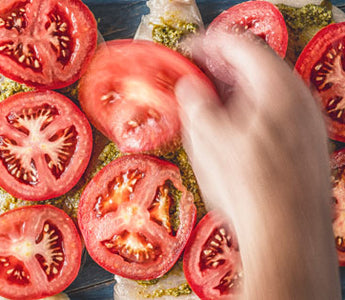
27,226
261,17
321,65
338,204
124,229
208,267
53,44
128,94
43,152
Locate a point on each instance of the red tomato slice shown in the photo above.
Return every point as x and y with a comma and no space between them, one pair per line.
40,252
321,65
128,94
211,261
46,43
260,17
136,216
45,145
338,203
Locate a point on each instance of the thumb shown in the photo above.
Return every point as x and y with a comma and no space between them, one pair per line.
195,98
202,114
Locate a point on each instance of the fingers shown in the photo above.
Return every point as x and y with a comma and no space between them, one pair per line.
267,105
257,70
199,113
266,87
194,95
251,58
206,130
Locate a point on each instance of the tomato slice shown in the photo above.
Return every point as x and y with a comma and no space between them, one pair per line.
40,252
136,216
261,17
46,43
338,202
321,65
128,94
45,145
211,261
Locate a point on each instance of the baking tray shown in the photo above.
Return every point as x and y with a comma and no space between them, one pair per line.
116,20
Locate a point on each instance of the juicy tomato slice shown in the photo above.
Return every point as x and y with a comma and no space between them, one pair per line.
40,252
128,94
211,261
46,43
45,145
321,65
338,202
261,17
136,216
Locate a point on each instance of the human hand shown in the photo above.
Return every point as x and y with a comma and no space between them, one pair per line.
261,156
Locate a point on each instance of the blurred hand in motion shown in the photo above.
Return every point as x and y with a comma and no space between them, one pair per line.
261,156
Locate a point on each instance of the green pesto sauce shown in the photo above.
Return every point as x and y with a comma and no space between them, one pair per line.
170,32
9,87
108,154
182,289
67,202
71,91
179,157
174,210
148,282
303,23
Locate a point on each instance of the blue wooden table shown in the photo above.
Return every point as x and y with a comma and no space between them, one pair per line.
119,19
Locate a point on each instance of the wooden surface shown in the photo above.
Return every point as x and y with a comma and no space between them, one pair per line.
119,19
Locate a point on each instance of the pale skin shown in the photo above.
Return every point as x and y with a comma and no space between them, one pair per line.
262,157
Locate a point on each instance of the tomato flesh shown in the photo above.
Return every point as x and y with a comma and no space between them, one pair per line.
128,94
40,252
46,43
321,65
45,145
211,261
136,217
338,202
260,17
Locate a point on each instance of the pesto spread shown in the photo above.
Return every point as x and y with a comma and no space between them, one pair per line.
303,23
9,87
179,158
71,91
170,32
67,202
182,289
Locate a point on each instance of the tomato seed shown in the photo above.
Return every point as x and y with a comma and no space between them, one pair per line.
218,237
215,244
